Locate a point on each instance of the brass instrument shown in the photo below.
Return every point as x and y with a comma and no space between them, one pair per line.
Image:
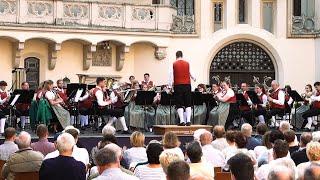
109,83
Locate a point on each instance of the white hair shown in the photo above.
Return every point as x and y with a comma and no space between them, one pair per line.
23,140
71,127
108,130
278,171
115,148
197,133
316,136
246,129
284,126
275,82
65,142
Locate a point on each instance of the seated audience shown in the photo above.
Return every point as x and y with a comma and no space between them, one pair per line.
220,141
63,167
80,154
313,153
43,145
167,156
261,130
210,154
197,167
171,143
252,142
178,170
8,147
300,156
153,169
262,151
241,167
289,136
280,158
107,129
137,153
108,163
316,136
24,160
312,172
106,139
281,173
284,126
232,148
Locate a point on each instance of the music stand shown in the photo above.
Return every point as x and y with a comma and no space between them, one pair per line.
254,97
297,98
145,98
72,90
19,96
196,99
167,100
210,102
91,86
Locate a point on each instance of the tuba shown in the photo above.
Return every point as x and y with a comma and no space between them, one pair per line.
109,83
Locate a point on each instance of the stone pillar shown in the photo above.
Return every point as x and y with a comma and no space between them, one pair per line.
52,54
231,12
17,48
120,56
87,55
255,15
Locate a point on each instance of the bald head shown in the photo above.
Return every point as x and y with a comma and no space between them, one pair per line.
312,172
205,138
24,140
218,131
275,84
246,129
281,173
305,138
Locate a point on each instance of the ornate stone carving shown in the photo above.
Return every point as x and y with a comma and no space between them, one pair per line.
52,55
40,8
160,53
87,55
102,56
183,24
8,7
16,53
143,14
303,25
75,10
120,56
110,12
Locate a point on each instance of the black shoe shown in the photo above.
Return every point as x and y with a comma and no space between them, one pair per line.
182,124
126,132
188,124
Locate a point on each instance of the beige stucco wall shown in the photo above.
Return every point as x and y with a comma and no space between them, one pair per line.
5,60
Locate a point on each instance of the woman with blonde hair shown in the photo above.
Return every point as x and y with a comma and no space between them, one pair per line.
137,153
171,143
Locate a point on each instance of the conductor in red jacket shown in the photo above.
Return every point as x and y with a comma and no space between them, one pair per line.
180,79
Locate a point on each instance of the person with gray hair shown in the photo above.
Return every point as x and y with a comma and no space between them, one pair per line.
108,163
284,126
252,142
63,167
107,129
277,102
24,160
280,172
316,136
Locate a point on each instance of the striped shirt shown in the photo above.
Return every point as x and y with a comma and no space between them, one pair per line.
144,172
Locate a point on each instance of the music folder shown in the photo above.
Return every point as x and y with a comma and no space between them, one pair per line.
209,100
145,97
196,98
254,97
295,96
73,88
21,96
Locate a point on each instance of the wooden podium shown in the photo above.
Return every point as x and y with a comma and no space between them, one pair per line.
179,130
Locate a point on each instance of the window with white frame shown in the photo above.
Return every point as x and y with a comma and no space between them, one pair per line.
268,11
218,11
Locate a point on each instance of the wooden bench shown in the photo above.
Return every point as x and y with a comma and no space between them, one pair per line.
27,176
1,165
223,176
217,170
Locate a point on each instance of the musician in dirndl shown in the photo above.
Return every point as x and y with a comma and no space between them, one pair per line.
4,99
297,119
314,109
228,102
200,111
213,116
162,116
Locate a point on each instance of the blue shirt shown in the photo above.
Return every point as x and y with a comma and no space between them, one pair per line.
252,143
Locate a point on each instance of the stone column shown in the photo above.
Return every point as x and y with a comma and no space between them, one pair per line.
120,56
88,49
17,48
52,54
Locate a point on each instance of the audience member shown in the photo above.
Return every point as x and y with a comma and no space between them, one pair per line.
300,156
137,153
24,160
281,173
153,169
312,172
106,139
171,143
178,170
8,147
220,141
284,126
313,153
289,136
43,145
167,156
210,154
241,167
261,130
232,148
108,163
252,142
107,129
197,167
63,167
316,136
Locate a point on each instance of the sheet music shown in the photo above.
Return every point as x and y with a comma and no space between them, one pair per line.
78,95
16,97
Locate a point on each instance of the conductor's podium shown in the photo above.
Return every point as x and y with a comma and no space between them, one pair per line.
179,130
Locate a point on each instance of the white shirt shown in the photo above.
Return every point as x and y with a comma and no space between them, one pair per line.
135,155
213,156
220,143
113,97
301,168
263,171
177,151
264,100
50,95
314,98
100,100
226,95
144,172
281,98
79,154
171,75
3,100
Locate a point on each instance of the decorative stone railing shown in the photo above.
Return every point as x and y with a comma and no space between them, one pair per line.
304,25
95,14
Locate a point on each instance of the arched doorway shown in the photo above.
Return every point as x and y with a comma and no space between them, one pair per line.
242,61
31,64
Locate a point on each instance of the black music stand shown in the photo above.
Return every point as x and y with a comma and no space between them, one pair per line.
145,98
296,98
210,102
72,90
167,100
25,97
254,99
241,101
91,86
196,99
